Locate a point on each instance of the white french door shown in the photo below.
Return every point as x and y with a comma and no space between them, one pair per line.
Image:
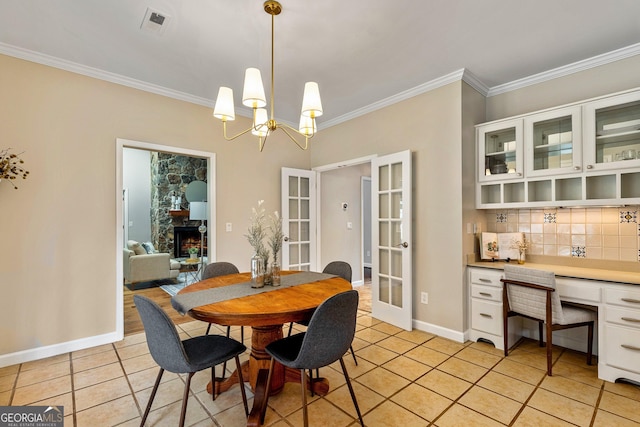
391,278
298,219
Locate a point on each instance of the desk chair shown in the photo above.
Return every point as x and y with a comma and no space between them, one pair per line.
329,335
341,269
184,357
531,293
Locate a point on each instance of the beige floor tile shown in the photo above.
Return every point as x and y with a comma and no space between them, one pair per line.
130,340
367,321
5,398
376,355
101,393
491,404
371,335
530,417
232,417
94,376
415,336
627,390
406,367
390,414
444,345
321,413
383,381
419,400
386,328
366,398
225,401
288,401
606,419
577,358
40,391
139,363
43,373
9,370
462,369
354,370
133,350
170,415
444,384
460,416
146,378
396,345
109,414
487,348
572,389
478,357
8,382
561,407
65,400
584,374
35,364
92,350
94,360
427,356
168,393
520,372
535,360
620,405
507,386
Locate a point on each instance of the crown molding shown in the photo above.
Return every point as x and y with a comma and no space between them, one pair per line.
40,58
576,67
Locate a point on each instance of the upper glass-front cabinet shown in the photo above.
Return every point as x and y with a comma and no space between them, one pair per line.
553,142
500,150
612,132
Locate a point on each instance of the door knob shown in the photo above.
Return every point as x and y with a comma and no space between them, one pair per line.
285,238
403,244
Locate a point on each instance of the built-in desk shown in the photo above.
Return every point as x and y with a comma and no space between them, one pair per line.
615,294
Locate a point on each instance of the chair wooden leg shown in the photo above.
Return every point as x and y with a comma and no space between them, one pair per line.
540,340
185,398
263,410
589,342
241,384
549,348
303,384
353,395
505,328
153,395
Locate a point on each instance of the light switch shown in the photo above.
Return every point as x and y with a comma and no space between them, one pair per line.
229,227
349,225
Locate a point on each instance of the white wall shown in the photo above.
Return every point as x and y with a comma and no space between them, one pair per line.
136,178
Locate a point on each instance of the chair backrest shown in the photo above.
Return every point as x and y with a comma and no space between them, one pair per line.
339,268
216,269
330,332
529,301
164,343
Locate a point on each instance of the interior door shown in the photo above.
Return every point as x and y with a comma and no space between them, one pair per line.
391,277
299,219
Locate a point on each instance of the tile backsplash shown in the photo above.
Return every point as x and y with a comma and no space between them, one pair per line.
595,233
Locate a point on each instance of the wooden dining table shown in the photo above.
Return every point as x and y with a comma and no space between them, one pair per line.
266,313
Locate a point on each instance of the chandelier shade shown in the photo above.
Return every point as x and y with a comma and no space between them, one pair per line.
253,96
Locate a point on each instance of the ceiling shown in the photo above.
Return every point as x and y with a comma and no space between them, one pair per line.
362,53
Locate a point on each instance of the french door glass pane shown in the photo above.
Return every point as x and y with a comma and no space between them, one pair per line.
293,186
384,178
396,293
293,232
396,176
384,290
304,187
293,209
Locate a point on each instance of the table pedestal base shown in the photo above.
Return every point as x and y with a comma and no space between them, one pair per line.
256,372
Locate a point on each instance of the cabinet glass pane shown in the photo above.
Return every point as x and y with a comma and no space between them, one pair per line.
630,186
618,133
553,144
500,151
293,186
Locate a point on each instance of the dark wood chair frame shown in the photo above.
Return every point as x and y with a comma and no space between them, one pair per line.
548,322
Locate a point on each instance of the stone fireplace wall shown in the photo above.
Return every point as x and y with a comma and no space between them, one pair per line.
170,175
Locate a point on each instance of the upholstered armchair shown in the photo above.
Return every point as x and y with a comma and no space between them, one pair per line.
140,266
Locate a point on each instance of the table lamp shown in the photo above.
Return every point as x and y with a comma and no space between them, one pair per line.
198,211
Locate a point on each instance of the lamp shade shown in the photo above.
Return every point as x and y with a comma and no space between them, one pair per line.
253,93
311,103
307,126
224,109
198,210
260,127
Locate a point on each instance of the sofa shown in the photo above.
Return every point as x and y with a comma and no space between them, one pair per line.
142,263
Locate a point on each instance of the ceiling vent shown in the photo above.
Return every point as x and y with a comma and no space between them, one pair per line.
155,21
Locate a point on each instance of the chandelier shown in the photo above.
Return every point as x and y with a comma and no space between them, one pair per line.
253,97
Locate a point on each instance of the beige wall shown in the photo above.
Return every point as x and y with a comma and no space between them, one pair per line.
428,125
58,229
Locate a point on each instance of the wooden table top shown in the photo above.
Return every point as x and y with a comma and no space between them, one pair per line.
278,306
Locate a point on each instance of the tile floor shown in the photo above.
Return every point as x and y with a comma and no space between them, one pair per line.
402,379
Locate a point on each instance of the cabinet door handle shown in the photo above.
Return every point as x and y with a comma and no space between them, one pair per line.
631,300
630,347
485,294
631,319
486,315
576,168
589,166
484,280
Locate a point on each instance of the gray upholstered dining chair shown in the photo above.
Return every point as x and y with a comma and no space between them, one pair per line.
184,357
221,268
341,269
530,293
326,340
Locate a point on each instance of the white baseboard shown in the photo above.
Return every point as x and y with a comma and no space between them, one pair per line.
440,331
56,349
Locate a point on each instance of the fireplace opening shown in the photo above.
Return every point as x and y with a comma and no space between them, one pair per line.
185,238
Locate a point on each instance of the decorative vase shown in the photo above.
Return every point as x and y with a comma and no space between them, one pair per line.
275,274
521,258
193,256
257,271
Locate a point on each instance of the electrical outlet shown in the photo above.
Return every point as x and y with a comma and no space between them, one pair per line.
424,298
229,226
